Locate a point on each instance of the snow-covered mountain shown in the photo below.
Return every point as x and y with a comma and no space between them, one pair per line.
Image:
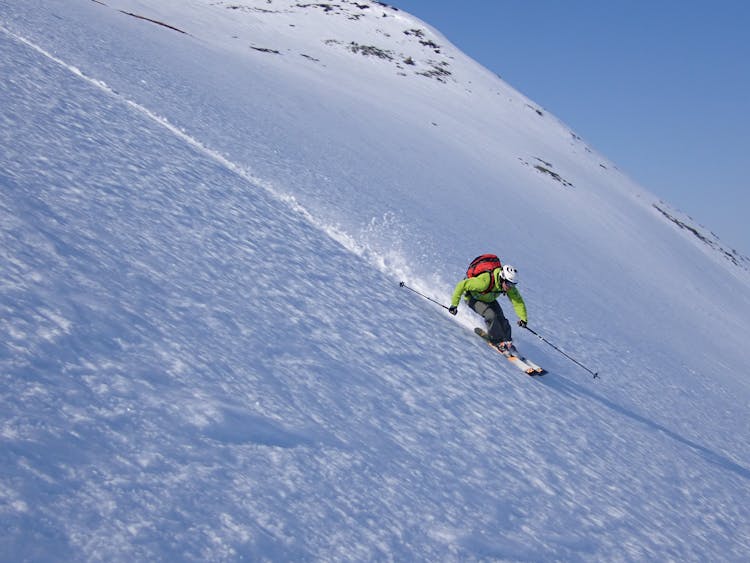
206,211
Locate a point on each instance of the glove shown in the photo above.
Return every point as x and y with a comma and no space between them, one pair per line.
453,310
522,324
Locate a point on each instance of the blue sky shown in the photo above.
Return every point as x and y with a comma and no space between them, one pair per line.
660,88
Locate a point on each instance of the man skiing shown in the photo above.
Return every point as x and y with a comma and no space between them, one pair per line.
486,279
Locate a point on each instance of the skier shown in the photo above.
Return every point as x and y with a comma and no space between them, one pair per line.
486,280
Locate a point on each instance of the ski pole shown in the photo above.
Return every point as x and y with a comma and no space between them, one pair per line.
594,373
402,284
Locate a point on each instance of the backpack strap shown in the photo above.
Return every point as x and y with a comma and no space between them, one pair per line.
491,287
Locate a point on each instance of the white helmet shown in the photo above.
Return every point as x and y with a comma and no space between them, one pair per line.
510,274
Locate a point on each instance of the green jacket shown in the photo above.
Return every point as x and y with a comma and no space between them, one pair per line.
474,287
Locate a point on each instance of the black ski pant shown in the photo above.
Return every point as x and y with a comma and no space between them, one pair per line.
498,327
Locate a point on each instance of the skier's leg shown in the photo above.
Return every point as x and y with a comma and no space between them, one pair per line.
498,327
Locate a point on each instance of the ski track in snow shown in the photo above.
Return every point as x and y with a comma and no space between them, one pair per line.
173,390
344,239
113,346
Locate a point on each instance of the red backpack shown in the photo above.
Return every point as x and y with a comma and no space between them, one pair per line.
482,264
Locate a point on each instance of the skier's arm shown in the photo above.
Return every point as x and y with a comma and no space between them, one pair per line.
518,304
467,285
458,293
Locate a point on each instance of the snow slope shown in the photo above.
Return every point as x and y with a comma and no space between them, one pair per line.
206,210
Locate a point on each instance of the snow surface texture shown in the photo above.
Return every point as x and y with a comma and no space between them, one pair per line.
206,209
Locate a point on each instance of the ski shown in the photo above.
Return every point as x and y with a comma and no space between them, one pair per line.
518,361
537,368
